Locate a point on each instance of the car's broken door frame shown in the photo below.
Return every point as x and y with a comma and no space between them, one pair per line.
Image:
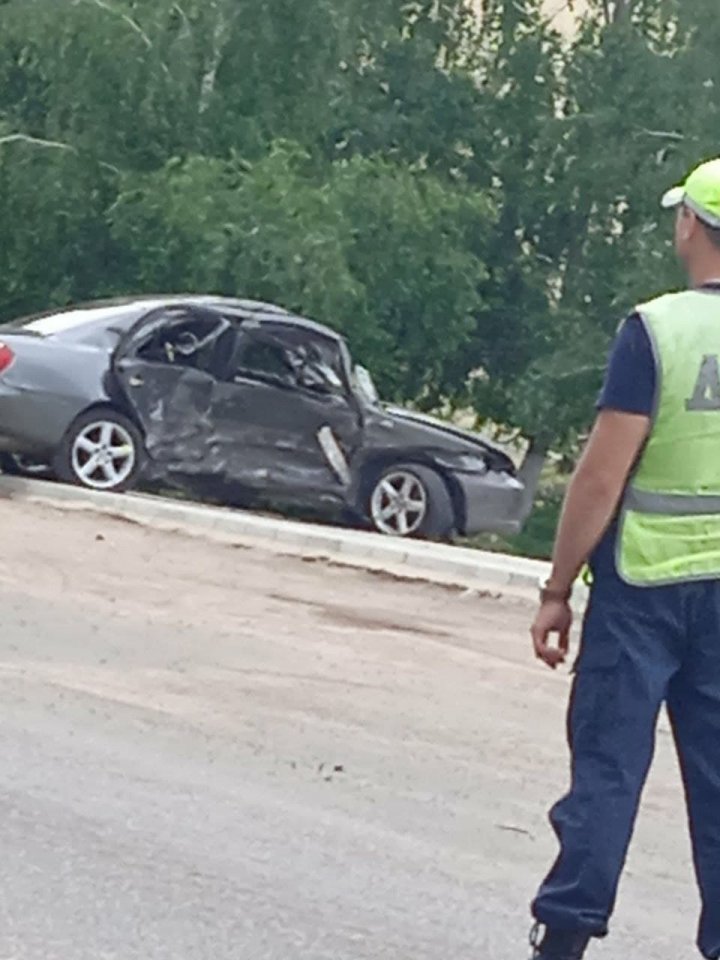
292,441
172,402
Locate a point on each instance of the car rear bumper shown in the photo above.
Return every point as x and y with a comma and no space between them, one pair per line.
32,422
490,503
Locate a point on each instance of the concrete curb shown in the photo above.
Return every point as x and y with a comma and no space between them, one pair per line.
437,563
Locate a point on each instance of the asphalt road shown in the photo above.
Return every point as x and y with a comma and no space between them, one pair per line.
215,753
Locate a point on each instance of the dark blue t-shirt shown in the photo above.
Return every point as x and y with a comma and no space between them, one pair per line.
629,388
631,377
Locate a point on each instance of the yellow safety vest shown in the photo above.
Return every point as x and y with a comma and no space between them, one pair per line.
670,517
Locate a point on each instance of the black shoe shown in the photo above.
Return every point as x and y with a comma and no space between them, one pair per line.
559,945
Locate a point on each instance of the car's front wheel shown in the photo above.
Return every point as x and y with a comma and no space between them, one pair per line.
102,450
410,500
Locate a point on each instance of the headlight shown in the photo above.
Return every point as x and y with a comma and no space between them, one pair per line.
464,462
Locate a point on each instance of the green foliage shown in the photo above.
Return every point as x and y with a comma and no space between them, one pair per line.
389,255
472,201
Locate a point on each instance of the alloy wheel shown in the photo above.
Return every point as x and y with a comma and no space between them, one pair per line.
399,504
103,455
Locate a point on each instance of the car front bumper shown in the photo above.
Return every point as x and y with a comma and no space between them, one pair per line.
490,503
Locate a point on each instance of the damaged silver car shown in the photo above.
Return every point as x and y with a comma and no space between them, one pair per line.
234,399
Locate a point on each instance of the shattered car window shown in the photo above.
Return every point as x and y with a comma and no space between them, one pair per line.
264,360
200,342
291,357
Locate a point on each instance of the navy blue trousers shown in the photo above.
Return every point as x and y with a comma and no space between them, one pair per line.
641,648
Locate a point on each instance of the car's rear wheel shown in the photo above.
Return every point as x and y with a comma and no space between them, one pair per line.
102,450
410,500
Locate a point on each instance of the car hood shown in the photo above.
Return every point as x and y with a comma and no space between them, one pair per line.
438,432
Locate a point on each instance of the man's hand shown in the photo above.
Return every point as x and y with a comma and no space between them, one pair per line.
592,498
554,617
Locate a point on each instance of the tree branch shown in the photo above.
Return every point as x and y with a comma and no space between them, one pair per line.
133,24
37,141
220,38
184,17
621,8
52,145
660,134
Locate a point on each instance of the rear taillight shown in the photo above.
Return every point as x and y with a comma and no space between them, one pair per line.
6,357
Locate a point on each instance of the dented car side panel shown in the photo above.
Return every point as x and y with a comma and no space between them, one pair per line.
256,428
242,394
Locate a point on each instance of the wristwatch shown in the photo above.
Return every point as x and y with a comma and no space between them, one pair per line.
550,594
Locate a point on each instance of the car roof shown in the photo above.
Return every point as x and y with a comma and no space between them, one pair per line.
133,308
264,313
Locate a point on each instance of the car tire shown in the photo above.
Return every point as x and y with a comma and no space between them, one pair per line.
103,450
411,501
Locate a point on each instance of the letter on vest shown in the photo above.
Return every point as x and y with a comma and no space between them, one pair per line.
706,395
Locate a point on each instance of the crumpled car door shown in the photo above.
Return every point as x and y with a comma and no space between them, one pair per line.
163,367
278,433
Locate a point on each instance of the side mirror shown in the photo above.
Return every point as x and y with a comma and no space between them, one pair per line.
366,384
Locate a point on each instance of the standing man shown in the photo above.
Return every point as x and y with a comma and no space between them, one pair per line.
644,508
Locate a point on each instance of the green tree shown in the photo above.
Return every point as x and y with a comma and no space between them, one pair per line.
584,139
473,201
389,255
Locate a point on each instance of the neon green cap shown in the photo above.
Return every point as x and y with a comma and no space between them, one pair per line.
700,193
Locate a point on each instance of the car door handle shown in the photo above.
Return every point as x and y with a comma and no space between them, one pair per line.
136,381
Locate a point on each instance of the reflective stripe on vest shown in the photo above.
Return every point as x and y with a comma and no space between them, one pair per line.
670,504
670,517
